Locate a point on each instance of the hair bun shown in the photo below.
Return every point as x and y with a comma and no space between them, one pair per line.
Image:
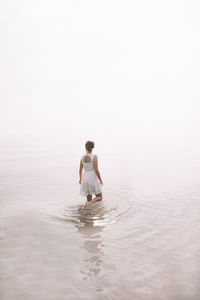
89,145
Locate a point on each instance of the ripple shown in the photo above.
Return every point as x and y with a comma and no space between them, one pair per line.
97,213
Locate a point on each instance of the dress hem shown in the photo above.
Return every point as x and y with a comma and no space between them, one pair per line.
95,193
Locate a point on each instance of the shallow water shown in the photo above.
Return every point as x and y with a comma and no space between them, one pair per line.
141,242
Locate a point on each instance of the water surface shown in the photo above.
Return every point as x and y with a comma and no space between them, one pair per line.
141,242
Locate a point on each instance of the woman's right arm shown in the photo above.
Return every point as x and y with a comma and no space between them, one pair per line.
95,164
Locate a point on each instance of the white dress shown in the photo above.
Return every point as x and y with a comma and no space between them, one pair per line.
90,183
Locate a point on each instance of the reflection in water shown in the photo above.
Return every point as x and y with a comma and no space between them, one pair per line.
90,229
92,243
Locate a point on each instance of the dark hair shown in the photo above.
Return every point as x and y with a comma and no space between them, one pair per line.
89,145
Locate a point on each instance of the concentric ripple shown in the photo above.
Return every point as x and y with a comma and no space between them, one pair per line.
97,213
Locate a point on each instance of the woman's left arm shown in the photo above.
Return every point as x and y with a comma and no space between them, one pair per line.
80,171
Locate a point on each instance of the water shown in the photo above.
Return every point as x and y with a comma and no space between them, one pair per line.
141,242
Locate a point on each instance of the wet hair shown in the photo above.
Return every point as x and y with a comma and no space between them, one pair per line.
89,145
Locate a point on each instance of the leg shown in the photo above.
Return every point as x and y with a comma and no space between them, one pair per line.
97,198
89,198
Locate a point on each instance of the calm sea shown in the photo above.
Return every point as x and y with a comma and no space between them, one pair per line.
142,242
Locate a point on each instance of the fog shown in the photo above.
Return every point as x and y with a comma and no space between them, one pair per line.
101,69
125,74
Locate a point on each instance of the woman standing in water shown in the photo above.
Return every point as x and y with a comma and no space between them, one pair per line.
91,180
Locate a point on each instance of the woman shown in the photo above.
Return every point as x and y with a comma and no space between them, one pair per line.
91,180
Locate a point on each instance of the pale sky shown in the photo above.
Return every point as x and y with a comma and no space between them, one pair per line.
100,68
